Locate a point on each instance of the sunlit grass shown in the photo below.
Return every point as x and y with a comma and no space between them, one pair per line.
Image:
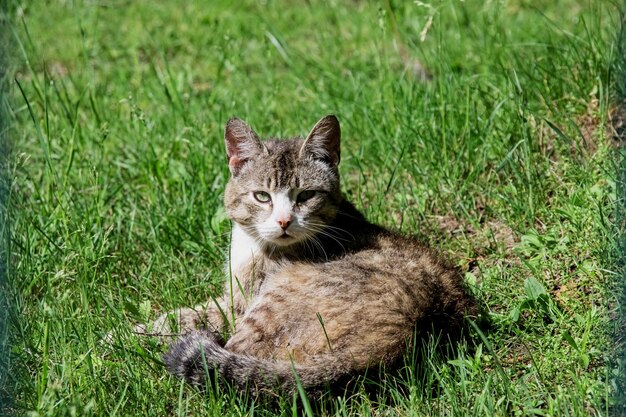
503,161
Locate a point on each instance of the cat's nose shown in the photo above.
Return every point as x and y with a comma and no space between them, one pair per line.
284,223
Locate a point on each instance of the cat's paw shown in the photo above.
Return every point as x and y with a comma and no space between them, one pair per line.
161,329
173,324
165,328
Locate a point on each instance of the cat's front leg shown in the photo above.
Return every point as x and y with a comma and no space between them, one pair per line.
212,316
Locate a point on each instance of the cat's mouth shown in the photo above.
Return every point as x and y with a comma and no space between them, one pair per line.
284,240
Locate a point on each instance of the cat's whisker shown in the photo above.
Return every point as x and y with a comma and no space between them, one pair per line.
317,243
346,214
331,228
322,232
339,243
310,247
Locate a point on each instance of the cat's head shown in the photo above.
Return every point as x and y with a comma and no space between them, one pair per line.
283,192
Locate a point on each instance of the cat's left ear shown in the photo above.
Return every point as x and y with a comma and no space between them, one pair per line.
242,144
323,141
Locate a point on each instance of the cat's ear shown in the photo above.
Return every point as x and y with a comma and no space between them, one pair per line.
242,144
323,141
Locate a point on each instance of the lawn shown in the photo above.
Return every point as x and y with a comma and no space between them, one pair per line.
505,160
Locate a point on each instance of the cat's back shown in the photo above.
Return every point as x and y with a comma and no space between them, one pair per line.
367,301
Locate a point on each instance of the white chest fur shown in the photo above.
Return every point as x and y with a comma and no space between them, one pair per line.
242,250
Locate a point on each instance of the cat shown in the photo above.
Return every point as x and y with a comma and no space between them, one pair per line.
314,289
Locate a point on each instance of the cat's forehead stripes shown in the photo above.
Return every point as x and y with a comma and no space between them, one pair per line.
281,168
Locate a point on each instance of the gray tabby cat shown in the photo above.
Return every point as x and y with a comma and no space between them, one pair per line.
315,288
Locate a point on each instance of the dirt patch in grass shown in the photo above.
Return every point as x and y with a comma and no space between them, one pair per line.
517,354
583,133
491,242
489,236
565,293
588,125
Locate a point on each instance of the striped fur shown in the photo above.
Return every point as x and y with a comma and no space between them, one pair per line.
330,295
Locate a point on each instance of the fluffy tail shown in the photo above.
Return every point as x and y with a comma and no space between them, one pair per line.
197,354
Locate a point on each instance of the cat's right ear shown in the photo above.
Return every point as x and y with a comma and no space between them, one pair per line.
242,144
323,140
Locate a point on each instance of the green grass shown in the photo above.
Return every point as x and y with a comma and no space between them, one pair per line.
504,162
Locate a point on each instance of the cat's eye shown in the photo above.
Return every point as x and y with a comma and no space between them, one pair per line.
305,195
262,196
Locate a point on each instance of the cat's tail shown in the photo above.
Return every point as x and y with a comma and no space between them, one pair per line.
196,355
